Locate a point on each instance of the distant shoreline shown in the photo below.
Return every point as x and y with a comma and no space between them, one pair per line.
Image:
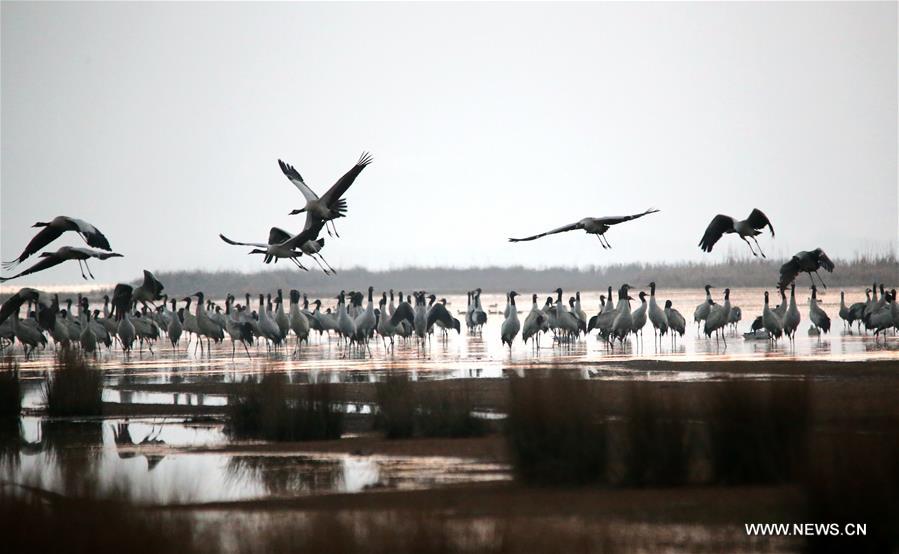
733,272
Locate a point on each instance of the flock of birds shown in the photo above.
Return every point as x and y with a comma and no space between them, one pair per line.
133,315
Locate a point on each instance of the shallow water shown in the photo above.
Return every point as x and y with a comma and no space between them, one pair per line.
154,460
482,355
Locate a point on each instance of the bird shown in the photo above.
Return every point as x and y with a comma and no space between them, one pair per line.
702,310
299,323
639,316
591,225
770,321
816,314
749,227
624,320
656,314
65,253
174,328
283,245
511,325
330,205
792,318
718,318
121,304
53,230
150,290
366,321
533,323
804,262
882,319
438,314
676,322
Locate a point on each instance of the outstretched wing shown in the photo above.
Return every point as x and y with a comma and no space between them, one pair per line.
563,229
15,301
277,235
403,312
47,235
788,273
759,220
45,263
720,224
235,243
438,312
613,220
91,235
334,193
152,284
294,177
823,261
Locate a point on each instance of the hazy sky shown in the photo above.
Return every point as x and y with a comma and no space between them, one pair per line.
162,124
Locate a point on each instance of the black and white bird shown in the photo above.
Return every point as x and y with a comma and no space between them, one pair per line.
804,262
150,290
65,253
53,229
591,225
330,205
283,245
750,227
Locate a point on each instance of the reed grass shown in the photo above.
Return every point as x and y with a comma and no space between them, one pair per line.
404,411
75,387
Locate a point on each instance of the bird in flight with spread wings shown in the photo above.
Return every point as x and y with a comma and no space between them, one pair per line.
750,227
330,205
54,229
592,226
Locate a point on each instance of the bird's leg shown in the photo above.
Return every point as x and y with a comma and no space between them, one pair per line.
333,271
749,245
600,241
759,247
606,240
82,270
336,234
88,269
320,264
822,280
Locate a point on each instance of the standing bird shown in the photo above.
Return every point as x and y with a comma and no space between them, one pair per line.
65,253
804,262
770,321
592,226
750,227
702,311
511,325
533,323
121,304
656,315
639,316
718,318
676,322
791,317
53,230
816,314
330,205
174,328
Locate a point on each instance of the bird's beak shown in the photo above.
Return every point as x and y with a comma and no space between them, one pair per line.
295,212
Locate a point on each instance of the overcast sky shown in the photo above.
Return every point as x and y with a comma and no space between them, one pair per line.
162,124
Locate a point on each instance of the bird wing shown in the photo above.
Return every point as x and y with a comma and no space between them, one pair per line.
277,235
294,177
91,235
569,227
45,263
824,262
788,273
438,312
403,312
15,301
47,235
612,220
235,243
309,233
336,191
720,224
759,220
152,284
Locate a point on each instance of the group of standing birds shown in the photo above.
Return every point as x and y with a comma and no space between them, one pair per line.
321,212
567,321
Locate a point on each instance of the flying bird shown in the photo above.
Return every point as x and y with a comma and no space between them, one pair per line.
330,205
592,226
149,291
53,230
50,259
749,227
283,245
804,262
